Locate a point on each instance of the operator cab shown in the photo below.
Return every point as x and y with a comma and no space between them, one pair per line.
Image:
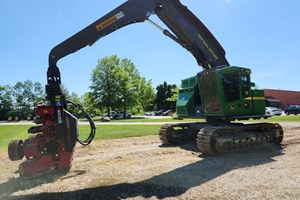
226,93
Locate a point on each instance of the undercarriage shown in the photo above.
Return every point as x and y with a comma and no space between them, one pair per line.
221,137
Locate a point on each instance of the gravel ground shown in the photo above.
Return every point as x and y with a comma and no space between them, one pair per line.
138,168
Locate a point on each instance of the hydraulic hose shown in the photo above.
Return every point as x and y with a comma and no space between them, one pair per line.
91,122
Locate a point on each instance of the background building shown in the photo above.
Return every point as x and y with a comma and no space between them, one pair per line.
282,98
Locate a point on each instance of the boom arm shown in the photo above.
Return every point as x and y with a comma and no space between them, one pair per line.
51,149
189,31
192,33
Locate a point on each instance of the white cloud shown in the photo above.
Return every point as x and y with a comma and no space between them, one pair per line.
228,1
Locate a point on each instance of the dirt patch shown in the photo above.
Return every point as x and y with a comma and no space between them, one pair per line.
138,168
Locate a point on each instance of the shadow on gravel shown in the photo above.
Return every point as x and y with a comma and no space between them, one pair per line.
23,183
169,184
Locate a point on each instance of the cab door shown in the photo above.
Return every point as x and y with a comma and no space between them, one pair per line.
236,93
247,100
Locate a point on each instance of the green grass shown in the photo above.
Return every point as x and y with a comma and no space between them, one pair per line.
119,131
283,118
13,132
106,131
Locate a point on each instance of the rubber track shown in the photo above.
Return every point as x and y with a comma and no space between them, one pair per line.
233,138
170,134
163,132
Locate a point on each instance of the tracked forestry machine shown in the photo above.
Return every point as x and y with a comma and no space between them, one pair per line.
220,93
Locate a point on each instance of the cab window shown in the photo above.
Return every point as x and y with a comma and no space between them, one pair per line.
246,85
230,83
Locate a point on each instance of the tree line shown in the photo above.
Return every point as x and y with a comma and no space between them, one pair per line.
116,84
21,98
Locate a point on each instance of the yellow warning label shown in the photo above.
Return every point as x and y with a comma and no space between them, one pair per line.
254,98
57,98
109,21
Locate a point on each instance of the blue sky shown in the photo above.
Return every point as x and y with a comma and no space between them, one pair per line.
263,35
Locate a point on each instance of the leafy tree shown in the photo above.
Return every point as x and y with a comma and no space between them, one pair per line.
26,94
136,92
146,96
173,98
38,91
18,95
6,101
90,104
104,83
22,96
117,84
166,96
72,108
126,80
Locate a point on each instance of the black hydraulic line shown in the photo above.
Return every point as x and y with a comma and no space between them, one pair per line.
91,122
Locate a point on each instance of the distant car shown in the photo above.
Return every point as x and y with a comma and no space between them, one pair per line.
159,112
150,113
273,111
292,109
118,115
127,115
167,113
